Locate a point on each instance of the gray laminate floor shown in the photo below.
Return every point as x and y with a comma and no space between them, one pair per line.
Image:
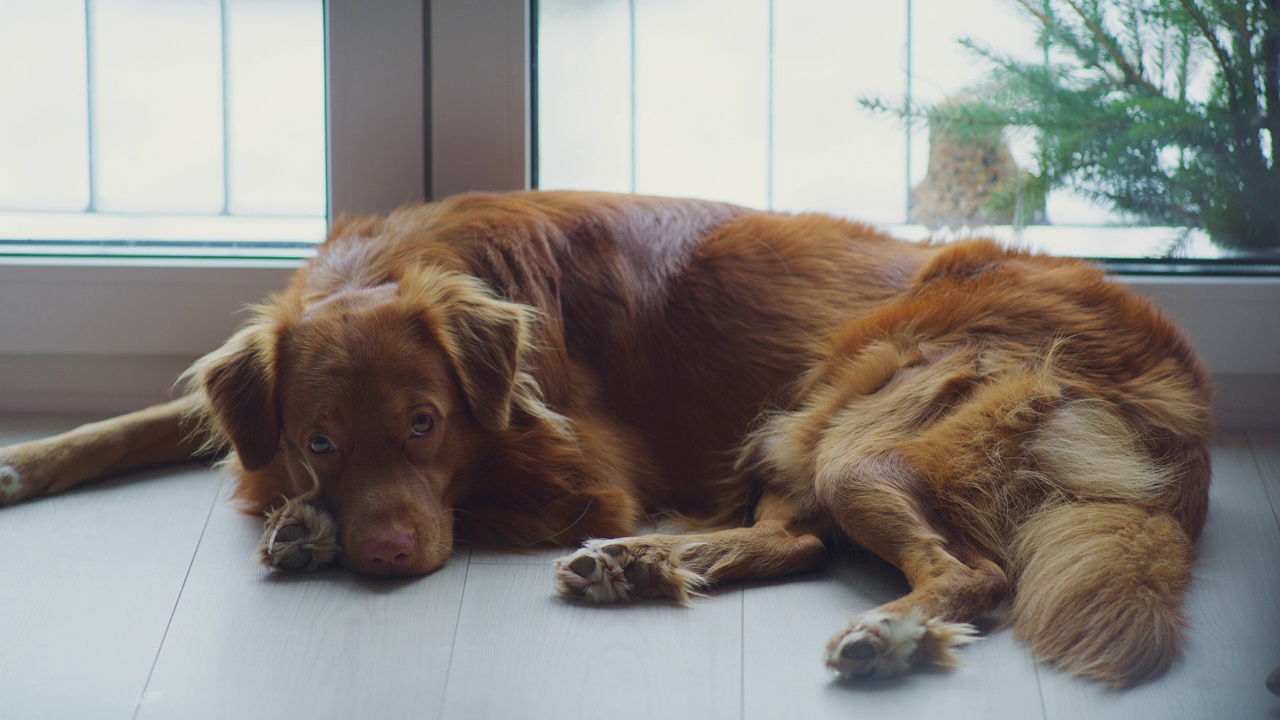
137,598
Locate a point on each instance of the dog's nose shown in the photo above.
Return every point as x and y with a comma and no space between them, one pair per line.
388,553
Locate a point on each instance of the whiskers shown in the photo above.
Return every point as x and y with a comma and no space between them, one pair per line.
460,541
565,529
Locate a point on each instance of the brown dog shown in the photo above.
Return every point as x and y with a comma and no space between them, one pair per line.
555,367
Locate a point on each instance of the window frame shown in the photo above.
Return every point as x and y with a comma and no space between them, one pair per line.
108,335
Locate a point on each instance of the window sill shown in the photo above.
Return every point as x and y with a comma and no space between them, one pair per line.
34,231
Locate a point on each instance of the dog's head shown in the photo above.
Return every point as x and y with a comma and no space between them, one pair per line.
383,397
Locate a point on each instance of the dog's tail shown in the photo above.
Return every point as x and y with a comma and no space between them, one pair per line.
1099,589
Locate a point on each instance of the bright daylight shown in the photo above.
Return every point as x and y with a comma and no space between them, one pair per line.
639,359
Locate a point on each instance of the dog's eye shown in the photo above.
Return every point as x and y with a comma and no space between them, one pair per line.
422,424
319,444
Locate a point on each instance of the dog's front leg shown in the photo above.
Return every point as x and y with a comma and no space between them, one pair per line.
680,566
159,435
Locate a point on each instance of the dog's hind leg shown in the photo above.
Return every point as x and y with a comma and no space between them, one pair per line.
159,435
678,566
882,504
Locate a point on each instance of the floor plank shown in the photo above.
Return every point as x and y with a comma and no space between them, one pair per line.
90,580
1234,635
786,624
1265,445
522,652
249,643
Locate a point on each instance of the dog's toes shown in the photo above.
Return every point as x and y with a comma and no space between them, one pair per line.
291,533
296,556
610,571
297,537
293,561
594,574
882,644
866,649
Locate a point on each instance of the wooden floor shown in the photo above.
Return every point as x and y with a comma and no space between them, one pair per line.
137,598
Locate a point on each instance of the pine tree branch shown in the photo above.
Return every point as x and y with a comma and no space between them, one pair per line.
1244,51
1271,81
1184,65
1135,21
1065,36
1251,161
1243,106
1107,128
1131,75
1224,60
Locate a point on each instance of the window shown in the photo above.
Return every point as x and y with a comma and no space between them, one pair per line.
108,326
91,334
156,127
764,103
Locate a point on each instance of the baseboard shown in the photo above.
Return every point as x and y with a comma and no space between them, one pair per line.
1247,400
87,384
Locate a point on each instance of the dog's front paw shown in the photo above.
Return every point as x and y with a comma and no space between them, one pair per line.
25,474
12,488
607,571
879,644
298,537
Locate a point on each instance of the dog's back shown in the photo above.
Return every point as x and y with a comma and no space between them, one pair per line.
689,316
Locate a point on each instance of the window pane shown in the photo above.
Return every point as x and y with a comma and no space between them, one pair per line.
829,154
145,124
773,105
157,105
276,150
584,52
702,99
44,131
943,68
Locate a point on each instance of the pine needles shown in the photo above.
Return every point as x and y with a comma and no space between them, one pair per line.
1165,110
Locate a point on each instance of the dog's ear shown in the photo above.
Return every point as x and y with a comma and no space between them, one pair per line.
239,381
487,341
484,337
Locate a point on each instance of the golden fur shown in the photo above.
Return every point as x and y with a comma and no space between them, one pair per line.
555,367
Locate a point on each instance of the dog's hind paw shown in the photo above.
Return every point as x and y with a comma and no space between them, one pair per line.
298,537
879,644
608,571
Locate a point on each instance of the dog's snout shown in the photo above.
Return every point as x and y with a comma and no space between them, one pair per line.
388,553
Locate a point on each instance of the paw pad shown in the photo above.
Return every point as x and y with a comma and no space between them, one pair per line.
596,573
584,566
859,650
875,645
880,644
606,571
298,537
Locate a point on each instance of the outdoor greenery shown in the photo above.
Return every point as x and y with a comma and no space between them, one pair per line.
1165,110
